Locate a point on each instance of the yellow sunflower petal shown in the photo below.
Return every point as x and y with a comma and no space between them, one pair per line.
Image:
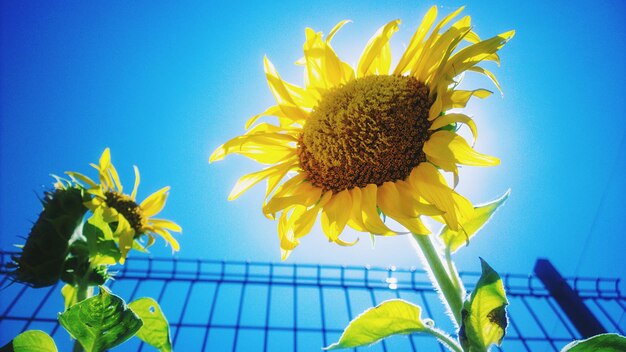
271,111
442,48
419,203
284,94
290,186
376,57
97,192
155,202
335,214
323,68
270,129
475,53
437,108
472,37
304,194
103,168
274,179
304,223
105,159
417,70
335,29
168,238
446,145
400,207
459,98
343,243
110,214
455,118
166,224
446,165
433,187
125,235
369,212
489,75
133,195
245,182
115,177
265,148
415,46
288,241
392,203
83,178
92,204
356,218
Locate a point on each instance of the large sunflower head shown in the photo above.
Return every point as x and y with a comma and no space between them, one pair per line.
129,219
352,144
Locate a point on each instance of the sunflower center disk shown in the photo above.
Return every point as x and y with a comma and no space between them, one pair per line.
370,130
128,208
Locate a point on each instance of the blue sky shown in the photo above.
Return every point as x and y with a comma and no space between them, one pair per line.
163,84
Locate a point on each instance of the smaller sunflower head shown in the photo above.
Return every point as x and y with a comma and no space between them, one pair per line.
129,219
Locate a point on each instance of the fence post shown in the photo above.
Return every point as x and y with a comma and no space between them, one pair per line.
570,302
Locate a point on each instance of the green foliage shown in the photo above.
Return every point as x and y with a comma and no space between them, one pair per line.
155,330
79,269
100,242
484,319
100,322
391,317
602,342
482,213
90,255
31,341
41,261
69,295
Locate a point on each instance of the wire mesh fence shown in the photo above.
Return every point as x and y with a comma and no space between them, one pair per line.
250,306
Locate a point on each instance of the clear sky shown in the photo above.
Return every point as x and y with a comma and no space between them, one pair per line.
164,83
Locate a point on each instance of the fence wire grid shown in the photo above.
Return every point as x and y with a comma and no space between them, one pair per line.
252,306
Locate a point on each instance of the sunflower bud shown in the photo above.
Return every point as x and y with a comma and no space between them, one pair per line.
41,261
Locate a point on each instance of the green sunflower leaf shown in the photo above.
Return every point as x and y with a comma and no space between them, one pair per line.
484,319
102,247
155,330
482,213
602,342
391,317
100,322
31,341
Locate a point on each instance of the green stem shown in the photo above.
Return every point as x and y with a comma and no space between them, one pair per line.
445,339
454,274
442,278
82,291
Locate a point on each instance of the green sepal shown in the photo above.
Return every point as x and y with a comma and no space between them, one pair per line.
155,330
31,341
389,318
100,322
483,317
454,240
373,240
602,342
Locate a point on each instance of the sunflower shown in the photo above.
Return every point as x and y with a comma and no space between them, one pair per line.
352,144
129,219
